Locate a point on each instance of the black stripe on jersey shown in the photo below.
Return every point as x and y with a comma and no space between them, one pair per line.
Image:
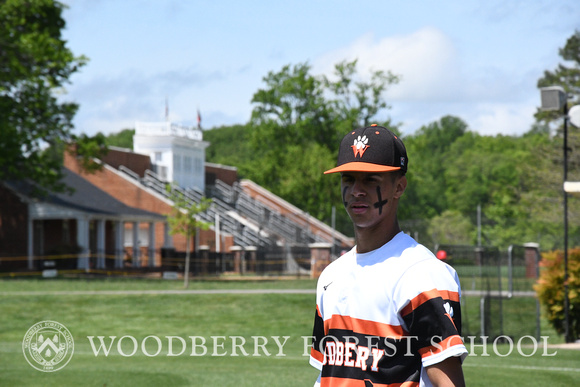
432,320
317,332
395,360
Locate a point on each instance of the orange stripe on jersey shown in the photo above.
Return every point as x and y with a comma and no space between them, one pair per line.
364,327
345,382
316,355
428,295
441,346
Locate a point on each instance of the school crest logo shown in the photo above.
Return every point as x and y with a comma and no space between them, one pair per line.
360,145
48,346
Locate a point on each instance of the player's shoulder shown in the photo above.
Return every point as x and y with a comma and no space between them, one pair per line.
340,265
342,261
420,261
409,250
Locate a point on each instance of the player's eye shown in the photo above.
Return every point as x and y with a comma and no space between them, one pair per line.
347,179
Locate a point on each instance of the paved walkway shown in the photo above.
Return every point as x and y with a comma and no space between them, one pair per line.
575,345
143,292
471,293
496,293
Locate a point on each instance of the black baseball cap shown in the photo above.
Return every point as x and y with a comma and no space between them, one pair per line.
371,149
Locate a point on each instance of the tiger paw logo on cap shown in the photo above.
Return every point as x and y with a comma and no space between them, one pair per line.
360,145
371,149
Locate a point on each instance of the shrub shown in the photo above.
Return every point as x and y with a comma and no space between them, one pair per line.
550,289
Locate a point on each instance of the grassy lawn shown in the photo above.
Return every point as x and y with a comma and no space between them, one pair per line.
215,318
139,316
126,283
563,369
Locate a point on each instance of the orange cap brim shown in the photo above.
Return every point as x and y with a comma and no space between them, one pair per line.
362,167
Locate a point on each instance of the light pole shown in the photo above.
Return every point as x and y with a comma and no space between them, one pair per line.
555,98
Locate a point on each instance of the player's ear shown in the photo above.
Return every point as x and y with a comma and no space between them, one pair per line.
400,186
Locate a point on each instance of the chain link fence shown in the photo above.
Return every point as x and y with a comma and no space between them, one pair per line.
287,260
497,289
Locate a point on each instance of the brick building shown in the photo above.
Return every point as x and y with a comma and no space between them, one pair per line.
117,215
79,230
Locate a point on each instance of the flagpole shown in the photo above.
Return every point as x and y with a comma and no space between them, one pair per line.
166,109
198,119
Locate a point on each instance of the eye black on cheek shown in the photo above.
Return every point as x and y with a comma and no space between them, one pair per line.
380,203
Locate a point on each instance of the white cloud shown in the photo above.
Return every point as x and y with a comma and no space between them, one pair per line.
508,119
435,82
485,118
426,60
111,103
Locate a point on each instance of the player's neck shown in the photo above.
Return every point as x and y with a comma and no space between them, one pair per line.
369,239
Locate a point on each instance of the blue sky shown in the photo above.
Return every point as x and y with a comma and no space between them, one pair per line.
478,60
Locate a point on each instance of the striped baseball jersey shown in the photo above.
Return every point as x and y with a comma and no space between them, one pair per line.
383,316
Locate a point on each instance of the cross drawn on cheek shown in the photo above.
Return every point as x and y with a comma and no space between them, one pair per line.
380,202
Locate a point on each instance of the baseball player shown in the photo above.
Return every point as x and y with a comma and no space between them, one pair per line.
388,311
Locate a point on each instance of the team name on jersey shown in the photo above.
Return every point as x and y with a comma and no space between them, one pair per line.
350,354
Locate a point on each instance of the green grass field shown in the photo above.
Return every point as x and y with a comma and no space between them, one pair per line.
245,316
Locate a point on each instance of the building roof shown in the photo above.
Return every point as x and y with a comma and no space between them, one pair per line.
86,198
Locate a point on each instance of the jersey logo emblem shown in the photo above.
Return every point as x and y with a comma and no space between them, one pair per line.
448,309
449,312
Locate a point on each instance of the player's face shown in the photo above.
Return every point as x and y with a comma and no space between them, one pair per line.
371,199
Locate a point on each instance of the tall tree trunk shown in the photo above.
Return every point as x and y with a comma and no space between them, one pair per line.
187,259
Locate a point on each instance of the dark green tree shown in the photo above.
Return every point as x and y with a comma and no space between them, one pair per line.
35,64
566,75
297,122
184,220
122,139
229,145
356,102
429,151
501,174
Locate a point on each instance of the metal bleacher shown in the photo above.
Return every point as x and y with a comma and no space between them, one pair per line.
270,219
245,233
250,222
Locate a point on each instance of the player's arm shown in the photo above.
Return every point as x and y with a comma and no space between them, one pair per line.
447,373
317,383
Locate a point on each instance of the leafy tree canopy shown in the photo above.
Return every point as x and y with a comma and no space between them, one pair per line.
35,64
122,139
297,121
566,75
184,220
550,286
